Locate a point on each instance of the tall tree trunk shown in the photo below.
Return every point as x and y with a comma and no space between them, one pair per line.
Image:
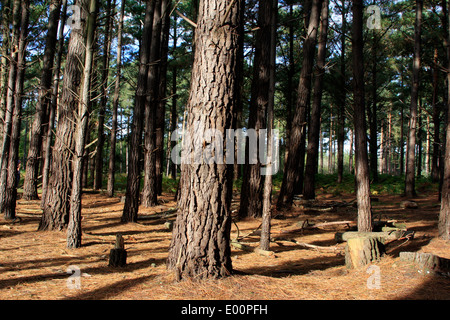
9,105
314,126
444,214
82,120
98,178
42,105
372,112
131,206
200,245
149,192
343,98
436,121
173,108
252,183
162,90
291,170
52,105
56,205
410,191
267,194
361,157
4,65
12,174
112,156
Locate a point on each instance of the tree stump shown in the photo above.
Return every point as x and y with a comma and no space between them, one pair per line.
118,255
362,251
428,262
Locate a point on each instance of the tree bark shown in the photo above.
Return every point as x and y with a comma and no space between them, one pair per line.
82,120
314,126
200,246
252,183
361,158
264,243
343,98
149,192
291,170
131,207
13,156
98,178
410,191
444,214
56,205
42,105
7,124
112,156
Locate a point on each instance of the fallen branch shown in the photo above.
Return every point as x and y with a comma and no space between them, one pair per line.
311,246
305,225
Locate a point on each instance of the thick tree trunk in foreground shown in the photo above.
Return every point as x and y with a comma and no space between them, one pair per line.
410,191
57,199
52,106
361,157
74,227
200,245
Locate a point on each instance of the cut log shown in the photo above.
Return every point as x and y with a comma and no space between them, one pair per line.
428,262
362,251
118,255
381,236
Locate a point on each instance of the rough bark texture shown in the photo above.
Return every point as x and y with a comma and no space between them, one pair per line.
44,99
410,190
314,126
131,207
52,105
291,170
57,199
200,245
13,178
444,214
252,186
361,157
362,251
74,227
149,192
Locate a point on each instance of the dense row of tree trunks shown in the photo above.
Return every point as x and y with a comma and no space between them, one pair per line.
9,105
298,129
42,106
47,146
13,154
131,207
200,246
57,198
314,125
98,177
115,105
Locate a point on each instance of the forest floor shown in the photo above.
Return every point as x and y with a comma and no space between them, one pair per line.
33,265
